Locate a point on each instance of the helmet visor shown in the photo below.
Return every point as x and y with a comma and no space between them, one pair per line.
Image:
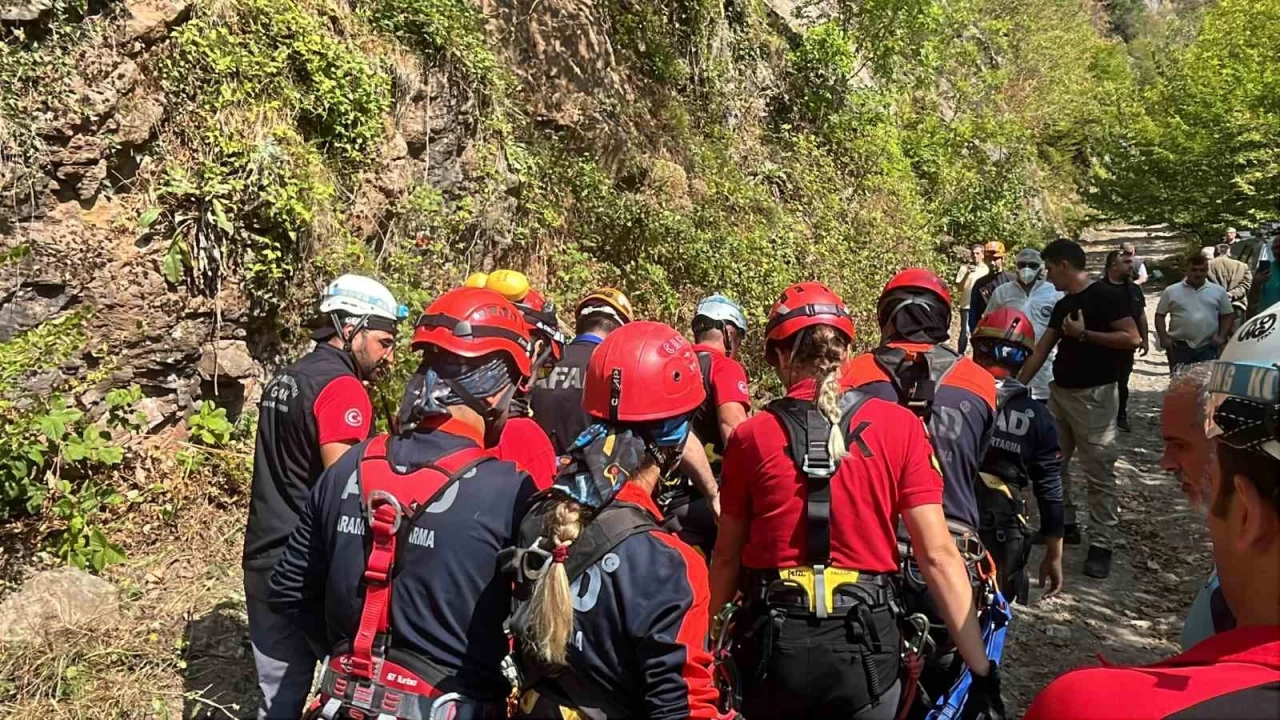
1004,353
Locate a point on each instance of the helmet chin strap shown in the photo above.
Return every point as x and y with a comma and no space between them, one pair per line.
348,338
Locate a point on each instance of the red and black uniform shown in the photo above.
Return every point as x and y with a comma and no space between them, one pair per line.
448,600
556,398
640,632
960,422
793,663
524,443
315,401
725,381
1234,674
1024,453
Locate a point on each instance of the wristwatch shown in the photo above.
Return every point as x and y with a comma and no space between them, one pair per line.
1083,336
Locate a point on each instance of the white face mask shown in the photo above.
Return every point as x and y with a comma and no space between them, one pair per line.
1028,275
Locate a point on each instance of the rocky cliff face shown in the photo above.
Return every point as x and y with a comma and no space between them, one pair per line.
78,163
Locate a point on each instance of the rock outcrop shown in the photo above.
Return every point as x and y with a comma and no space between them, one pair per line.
56,599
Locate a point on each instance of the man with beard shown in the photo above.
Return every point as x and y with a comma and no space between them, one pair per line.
311,413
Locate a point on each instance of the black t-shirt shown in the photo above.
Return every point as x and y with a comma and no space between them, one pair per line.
556,398
1137,301
1085,364
315,401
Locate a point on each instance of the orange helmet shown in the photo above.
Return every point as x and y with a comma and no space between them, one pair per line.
610,301
995,248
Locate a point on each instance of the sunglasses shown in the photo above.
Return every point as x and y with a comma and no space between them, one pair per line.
1029,265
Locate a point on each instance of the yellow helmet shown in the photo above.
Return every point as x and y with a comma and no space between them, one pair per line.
607,298
511,284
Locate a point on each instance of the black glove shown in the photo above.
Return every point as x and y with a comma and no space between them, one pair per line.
984,701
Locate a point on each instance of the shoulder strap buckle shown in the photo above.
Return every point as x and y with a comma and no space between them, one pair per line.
824,470
378,501
817,462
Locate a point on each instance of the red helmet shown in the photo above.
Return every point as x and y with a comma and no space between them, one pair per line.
806,304
642,372
1008,325
472,322
918,279
540,315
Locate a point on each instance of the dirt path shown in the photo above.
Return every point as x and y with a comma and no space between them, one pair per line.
1136,615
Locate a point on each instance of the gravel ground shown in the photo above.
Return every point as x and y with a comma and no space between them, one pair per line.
1136,615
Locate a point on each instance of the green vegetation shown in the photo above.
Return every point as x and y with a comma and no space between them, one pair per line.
726,153
50,455
1203,153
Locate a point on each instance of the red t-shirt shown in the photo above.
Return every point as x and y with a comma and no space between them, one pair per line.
343,411
761,484
728,377
524,443
1232,674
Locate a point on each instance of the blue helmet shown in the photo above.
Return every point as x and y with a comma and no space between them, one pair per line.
721,309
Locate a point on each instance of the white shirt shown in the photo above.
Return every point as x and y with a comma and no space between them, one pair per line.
1038,306
1194,312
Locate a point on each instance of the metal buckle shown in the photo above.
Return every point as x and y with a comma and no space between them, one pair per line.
814,471
376,499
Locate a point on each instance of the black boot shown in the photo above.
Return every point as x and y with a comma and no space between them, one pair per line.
1122,422
1098,563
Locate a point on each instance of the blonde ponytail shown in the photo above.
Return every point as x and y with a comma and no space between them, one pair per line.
549,622
825,349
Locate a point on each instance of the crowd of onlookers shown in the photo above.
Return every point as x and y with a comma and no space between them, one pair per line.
1222,286
1089,331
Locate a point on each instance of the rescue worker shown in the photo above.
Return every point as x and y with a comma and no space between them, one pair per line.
813,490
719,327
956,399
311,413
523,441
393,566
1234,673
556,399
1024,452
912,367
986,285
612,614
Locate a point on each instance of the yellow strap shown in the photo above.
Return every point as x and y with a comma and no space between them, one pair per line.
996,484
803,578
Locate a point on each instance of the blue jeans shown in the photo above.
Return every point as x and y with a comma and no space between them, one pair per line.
1183,354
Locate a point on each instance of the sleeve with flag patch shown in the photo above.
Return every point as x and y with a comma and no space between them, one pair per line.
729,382
343,412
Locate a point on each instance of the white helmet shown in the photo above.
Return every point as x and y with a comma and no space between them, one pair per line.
1244,393
362,297
722,309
